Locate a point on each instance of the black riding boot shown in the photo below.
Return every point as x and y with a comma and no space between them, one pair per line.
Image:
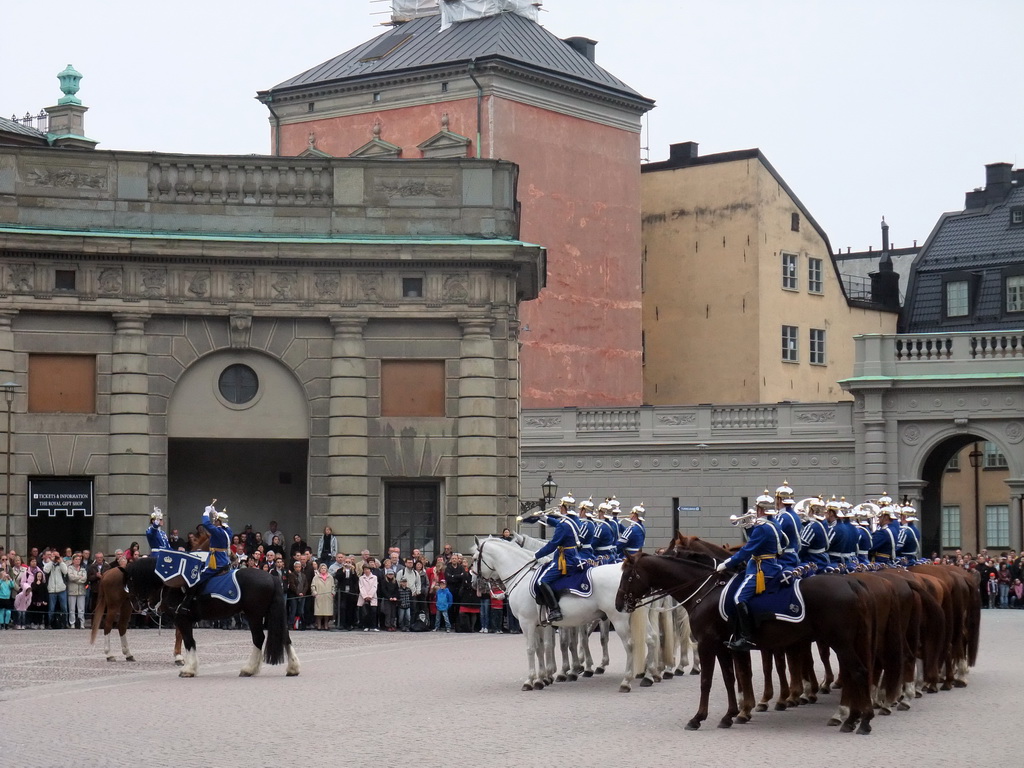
185,607
742,637
548,595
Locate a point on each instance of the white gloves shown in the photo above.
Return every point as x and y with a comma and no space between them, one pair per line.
722,566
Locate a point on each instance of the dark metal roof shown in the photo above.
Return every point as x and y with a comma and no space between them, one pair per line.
980,242
13,126
506,36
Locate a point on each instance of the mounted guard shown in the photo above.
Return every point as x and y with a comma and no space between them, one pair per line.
634,534
566,542
761,555
155,534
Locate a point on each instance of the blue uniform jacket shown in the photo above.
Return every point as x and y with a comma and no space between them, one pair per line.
605,535
157,538
632,538
843,547
566,543
814,543
863,544
585,529
220,546
909,542
788,521
884,542
761,554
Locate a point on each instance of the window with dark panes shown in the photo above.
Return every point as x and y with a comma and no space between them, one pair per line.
238,384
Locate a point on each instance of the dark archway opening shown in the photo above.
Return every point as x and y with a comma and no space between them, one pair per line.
256,480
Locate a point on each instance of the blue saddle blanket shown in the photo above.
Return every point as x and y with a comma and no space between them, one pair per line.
577,583
224,586
780,601
179,569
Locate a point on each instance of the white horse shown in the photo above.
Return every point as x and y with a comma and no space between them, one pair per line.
573,641
515,567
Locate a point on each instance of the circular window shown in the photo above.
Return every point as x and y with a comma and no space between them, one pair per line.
238,384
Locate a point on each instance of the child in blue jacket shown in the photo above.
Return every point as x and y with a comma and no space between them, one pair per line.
444,602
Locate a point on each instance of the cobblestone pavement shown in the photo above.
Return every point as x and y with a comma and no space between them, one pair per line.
447,699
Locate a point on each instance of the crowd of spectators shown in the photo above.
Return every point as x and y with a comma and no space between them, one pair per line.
1001,575
325,589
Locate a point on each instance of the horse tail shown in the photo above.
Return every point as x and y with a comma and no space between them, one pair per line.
97,612
972,608
277,627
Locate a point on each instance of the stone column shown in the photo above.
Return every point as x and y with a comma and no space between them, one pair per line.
348,444
876,477
476,494
14,517
128,491
1016,486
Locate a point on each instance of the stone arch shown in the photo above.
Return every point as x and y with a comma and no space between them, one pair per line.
260,472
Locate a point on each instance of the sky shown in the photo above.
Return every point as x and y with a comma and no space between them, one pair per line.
866,109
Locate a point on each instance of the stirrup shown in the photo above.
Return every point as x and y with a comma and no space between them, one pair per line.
740,644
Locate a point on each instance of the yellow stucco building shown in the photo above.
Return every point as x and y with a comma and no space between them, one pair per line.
742,299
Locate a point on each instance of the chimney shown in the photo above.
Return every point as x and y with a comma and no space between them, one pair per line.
885,285
998,181
584,46
885,236
686,150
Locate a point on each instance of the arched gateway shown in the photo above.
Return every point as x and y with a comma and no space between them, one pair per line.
920,398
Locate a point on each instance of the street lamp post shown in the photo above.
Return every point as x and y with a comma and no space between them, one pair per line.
975,458
549,489
8,387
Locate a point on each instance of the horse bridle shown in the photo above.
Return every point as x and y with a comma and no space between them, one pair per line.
505,581
631,603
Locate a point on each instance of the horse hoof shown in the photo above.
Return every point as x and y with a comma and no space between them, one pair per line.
667,676
959,683
291,674
679,672
833,721
599,671
639,676
761,708
179,662
183,673
573,677
946,687
742,719
694,671
917,694
902,706
693,725
129,658
624,688
864,730
825,689
527,687
110,658
243,673
846,728
780,706
884,711
646,682
538,686
588,673
560,678
725,722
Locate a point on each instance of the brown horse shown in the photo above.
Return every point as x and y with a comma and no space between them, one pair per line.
114,604
838,614
789,695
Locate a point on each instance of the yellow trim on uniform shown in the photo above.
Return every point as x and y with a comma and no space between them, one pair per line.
759,582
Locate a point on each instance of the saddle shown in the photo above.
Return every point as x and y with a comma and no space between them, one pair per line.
224,586
577,583
780,601
179,569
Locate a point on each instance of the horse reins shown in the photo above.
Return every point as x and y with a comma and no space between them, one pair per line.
654,596
508,587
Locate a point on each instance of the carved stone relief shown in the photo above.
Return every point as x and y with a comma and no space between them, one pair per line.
241,285
153,282
284,285
109,281
326,284
198,283
66,178
22,277
456,288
